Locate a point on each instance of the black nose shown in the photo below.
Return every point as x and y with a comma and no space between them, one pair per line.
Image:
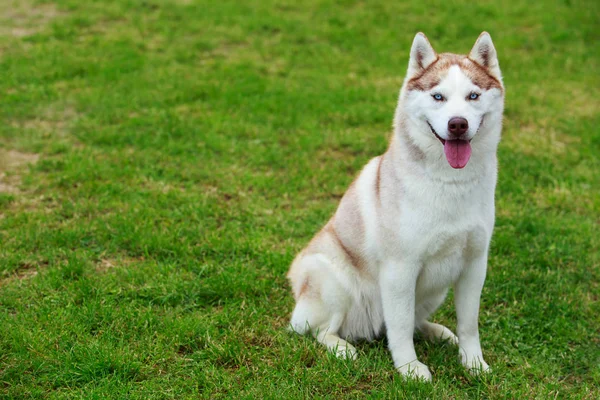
458,126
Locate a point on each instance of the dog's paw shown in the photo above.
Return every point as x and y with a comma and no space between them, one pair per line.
346,351
447,335
476,366
415,370
433,331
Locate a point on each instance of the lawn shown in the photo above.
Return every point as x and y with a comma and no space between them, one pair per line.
161,163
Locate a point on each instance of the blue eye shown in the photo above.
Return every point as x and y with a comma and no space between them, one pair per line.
473,96
438,97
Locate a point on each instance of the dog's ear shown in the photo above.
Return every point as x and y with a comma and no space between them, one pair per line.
484,54
422,55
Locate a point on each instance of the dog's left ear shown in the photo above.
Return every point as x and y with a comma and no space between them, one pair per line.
484,54
422,55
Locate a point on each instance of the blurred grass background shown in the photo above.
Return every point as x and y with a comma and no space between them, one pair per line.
161,162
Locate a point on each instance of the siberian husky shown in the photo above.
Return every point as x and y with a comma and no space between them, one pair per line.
417,220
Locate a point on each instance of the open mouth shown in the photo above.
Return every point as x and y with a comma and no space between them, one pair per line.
457,151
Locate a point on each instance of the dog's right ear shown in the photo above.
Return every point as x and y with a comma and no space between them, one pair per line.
422,55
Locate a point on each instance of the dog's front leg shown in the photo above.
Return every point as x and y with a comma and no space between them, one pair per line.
398,283
467,295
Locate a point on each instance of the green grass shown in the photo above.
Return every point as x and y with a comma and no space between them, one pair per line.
161,162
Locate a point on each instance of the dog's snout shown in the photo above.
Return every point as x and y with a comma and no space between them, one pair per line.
458,126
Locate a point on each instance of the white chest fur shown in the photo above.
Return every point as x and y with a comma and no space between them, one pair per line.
440,226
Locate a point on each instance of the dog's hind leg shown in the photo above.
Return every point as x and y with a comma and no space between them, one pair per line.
310,315
321,308
330,338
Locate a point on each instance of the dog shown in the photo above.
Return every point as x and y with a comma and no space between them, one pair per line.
417,220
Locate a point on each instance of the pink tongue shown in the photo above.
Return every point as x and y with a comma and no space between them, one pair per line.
458,152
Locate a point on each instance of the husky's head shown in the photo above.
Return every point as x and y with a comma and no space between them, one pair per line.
450,103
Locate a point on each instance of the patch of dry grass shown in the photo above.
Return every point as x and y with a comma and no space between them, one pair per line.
22,18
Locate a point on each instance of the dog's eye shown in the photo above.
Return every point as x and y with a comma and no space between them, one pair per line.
473,96
437,97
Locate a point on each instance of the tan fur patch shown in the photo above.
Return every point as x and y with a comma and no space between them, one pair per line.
304,287
431,76
378,180
353,257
